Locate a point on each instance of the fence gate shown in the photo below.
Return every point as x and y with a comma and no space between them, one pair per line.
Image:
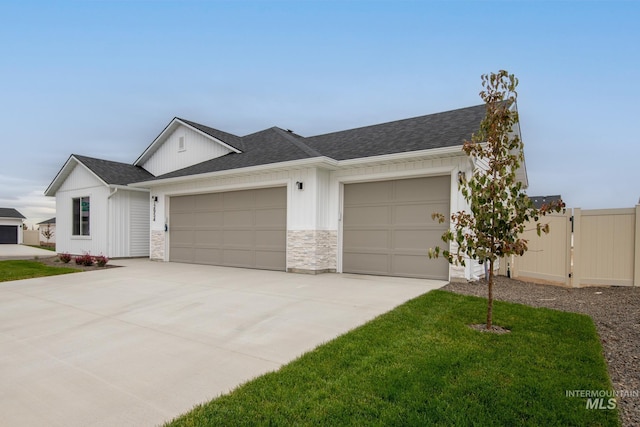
589,248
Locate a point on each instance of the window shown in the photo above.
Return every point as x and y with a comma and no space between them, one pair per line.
181,146
81,216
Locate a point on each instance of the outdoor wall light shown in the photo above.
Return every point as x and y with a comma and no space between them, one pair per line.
461,176
154,198
299,185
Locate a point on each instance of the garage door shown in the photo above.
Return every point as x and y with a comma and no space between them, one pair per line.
237,229
9,234
388,228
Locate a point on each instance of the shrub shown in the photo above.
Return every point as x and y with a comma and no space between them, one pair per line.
86,260
101,260
64,257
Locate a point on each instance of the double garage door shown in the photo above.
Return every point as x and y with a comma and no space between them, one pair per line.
8,234
237,229
388,228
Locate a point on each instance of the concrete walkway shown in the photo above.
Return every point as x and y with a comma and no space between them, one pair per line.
142,344
23,252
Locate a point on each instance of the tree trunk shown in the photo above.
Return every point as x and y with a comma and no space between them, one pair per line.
490,299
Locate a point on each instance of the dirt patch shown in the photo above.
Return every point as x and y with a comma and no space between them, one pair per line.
615,312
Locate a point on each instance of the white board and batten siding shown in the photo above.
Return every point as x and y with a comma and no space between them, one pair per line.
81,183
183,148
129,224
119,225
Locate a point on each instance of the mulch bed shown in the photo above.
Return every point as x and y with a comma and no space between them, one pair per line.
615,312
54,261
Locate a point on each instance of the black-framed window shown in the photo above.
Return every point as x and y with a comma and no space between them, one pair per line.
81,216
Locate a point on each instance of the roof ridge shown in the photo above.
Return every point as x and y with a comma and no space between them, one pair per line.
237,140
297,142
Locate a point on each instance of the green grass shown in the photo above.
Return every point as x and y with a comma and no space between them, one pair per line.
420,364
23,269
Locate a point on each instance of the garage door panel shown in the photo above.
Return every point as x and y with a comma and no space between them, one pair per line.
207,219
416,266
181,237
269,260
273,217
238,238
182,254
207,256
270,239
367,263
368,215
239,199
183,204
423,189
211,201
271,197
367,238
368,192
238,218
238,258
207,237
182,219
388,227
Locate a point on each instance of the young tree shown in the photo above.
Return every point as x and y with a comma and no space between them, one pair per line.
499,207
47,233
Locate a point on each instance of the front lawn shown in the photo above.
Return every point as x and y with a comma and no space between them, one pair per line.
24,269
420,364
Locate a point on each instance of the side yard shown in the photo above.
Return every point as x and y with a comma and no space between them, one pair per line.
614,310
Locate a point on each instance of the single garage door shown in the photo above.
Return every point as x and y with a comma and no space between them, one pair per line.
9,234
388,228
237,229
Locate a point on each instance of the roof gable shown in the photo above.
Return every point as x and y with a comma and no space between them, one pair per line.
104,171
225,140
10,213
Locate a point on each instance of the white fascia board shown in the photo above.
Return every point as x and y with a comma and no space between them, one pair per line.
64,174
304,163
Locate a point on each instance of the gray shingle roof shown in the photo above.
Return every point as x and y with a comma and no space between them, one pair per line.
439,130
10,213
448,129
114,173
48,221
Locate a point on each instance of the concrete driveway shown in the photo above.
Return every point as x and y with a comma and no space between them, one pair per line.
23,252
142,344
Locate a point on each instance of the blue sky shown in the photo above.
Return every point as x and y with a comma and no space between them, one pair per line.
103,78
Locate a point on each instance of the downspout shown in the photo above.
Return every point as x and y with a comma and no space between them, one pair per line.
111,194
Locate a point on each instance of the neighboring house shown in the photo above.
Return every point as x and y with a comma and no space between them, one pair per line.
49,225
539,201
357,201
10,226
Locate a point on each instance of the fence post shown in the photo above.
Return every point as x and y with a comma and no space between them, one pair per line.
575,271
636,250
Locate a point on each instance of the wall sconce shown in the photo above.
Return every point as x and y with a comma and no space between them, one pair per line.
154,198
461,176
299,185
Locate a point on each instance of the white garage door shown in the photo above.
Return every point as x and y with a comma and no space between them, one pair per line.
238,229
388,228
